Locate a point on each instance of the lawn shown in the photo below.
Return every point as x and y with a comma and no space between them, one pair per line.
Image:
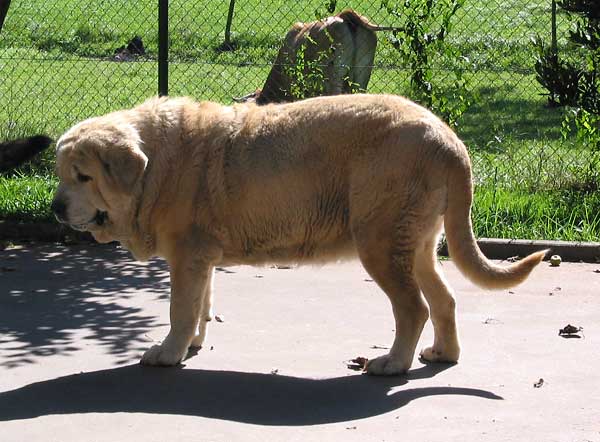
55,59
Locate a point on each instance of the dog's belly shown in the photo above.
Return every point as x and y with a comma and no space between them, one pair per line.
342,249
301,237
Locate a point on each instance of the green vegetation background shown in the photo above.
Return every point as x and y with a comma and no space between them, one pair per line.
56,68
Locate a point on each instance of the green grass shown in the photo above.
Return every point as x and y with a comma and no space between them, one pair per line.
569,216
26,197
55,62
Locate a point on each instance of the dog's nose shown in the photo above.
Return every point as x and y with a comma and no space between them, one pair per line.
59,208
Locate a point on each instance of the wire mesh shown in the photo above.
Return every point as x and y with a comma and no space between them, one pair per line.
63,61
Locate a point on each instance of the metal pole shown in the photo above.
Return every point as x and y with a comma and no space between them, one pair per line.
4,5
163,47
553,44
227,44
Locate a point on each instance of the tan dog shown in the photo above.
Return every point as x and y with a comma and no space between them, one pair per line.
205,185
342,46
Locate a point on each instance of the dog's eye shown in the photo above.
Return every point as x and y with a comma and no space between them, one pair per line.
83,178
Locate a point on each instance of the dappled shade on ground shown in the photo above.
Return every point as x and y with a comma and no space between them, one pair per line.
38,314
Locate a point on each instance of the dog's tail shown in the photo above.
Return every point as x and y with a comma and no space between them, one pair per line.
355,20
462,245
14,153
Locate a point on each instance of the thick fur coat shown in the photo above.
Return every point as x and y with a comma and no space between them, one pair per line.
205,185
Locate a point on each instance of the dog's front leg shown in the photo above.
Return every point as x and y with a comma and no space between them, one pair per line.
189,284
206,314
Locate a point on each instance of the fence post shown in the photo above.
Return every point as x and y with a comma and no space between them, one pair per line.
553,44
227,44
163,47
4,5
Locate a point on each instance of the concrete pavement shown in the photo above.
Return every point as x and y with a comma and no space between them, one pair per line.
74,321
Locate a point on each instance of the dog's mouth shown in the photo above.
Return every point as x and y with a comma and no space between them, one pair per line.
98,220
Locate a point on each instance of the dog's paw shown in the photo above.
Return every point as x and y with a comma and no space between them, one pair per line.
197,341
431,354
162,355
386,365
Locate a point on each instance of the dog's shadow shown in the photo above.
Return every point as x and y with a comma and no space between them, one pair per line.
263,399
38,314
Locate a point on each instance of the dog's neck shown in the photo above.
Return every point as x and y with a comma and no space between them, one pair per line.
142,243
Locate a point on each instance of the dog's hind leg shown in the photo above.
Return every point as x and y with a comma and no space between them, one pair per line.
388,256
442,305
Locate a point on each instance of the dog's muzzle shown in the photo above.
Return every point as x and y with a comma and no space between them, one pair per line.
98,220
59,208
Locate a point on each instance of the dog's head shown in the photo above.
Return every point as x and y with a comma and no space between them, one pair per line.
100,165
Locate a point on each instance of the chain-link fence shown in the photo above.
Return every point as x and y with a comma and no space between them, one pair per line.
62,61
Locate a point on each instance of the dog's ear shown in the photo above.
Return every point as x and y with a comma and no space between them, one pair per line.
122,160
123,165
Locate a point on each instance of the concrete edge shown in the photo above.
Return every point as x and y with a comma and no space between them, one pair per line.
569,251
40,231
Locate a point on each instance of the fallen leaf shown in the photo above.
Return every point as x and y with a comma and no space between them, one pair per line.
557,289
359,363
570,331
